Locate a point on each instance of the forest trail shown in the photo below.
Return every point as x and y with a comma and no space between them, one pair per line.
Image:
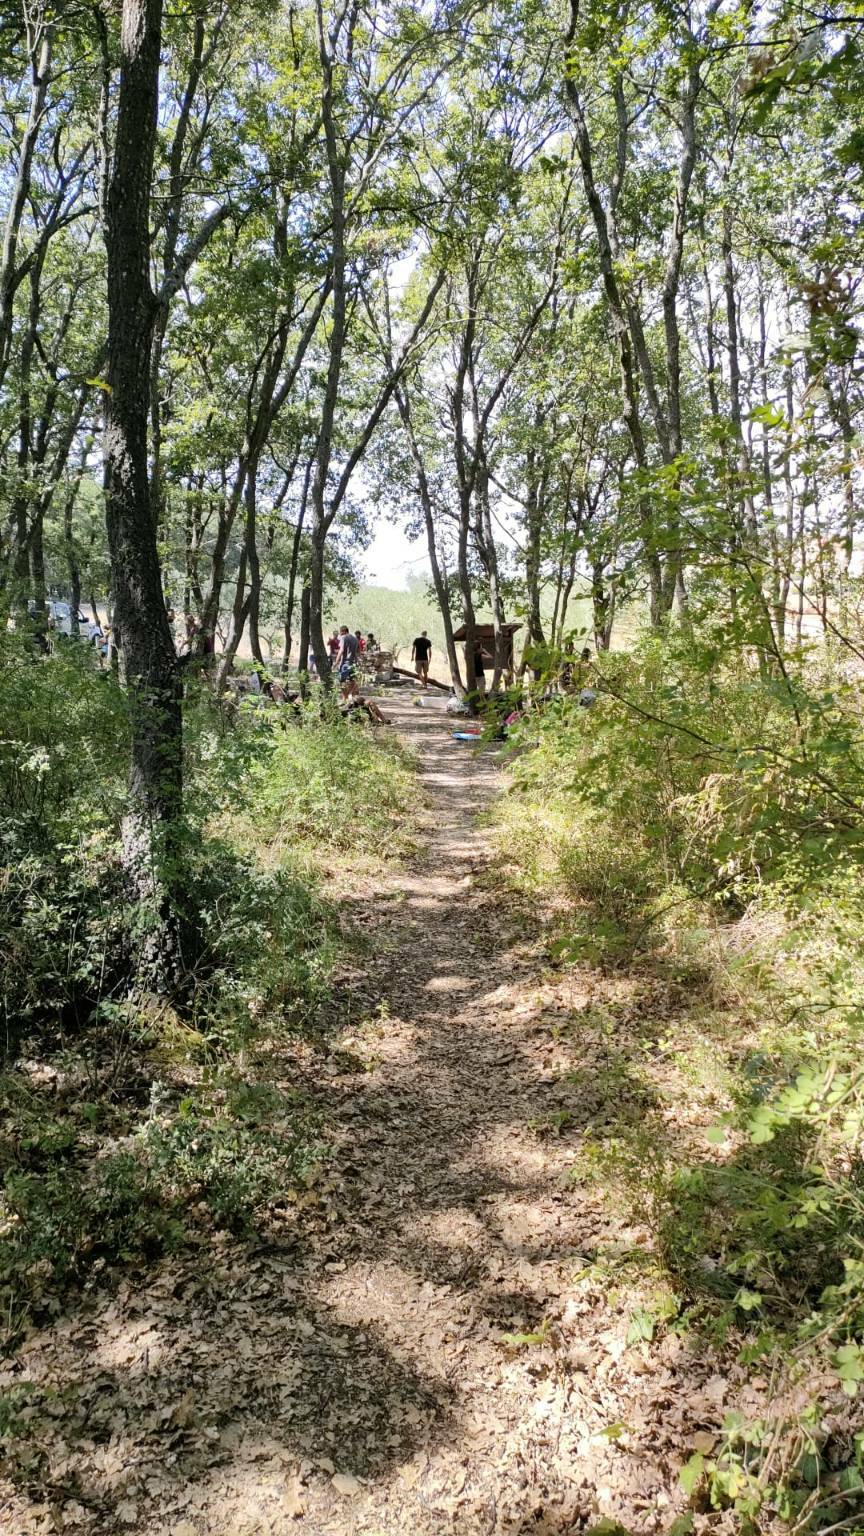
363,1372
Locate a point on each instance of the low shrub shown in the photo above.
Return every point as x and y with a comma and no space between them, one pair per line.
700,826
128,1122
330,786
81,1186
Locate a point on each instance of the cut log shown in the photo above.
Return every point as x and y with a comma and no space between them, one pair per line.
433,683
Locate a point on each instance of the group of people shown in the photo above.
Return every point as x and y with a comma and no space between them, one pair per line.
345,651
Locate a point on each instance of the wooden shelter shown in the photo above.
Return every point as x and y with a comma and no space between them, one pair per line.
485,635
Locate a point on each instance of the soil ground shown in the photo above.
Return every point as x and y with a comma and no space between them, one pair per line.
429,1343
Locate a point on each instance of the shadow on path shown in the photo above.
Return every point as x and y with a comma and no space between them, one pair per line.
407,1356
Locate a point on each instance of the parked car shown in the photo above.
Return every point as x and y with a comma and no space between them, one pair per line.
60,619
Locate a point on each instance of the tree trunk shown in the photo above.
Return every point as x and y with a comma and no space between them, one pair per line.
295,562
152,823
254,566
439,580
533,531
39,41
603,603
72,564
468,614
660,598
489,556
305,606
242,599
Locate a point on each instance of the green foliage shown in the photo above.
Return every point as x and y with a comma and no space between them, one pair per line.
702,822
331,786
129,1126
693,771
63,737
263,949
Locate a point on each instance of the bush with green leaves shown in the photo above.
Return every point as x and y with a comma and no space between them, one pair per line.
282,790
331,786
694,769
701,826
63,741
264,946
126,1121
63,930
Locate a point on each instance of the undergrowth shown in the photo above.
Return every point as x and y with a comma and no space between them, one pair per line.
699,829
131,1127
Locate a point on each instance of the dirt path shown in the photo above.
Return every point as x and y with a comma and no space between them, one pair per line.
365,1373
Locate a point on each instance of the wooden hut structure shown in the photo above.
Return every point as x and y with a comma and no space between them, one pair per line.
485,634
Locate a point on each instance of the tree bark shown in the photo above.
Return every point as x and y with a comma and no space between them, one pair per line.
39,40
305,605
295,563
242,599
621,327
439,580
72,564
152,823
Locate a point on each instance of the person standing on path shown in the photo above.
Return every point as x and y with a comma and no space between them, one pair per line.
421,651
346,662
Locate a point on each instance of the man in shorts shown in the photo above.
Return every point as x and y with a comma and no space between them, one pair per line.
346,662
421,651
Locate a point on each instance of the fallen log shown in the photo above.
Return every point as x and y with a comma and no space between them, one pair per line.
433,683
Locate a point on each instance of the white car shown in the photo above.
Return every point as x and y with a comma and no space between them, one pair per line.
60,619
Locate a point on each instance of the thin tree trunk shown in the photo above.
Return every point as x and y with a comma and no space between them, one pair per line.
660,600
566,595
72,563
295,561
39,40
533,533
305,609
439,580
254,567
242,605
485,540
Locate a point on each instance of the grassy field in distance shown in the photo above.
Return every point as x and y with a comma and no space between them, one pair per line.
395,617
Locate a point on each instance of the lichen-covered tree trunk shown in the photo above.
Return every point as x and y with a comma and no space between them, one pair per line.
148,657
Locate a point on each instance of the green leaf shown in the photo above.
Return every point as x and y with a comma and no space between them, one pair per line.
849,1364
520,1340
614,1431
748,1301
690,1475
641,1329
